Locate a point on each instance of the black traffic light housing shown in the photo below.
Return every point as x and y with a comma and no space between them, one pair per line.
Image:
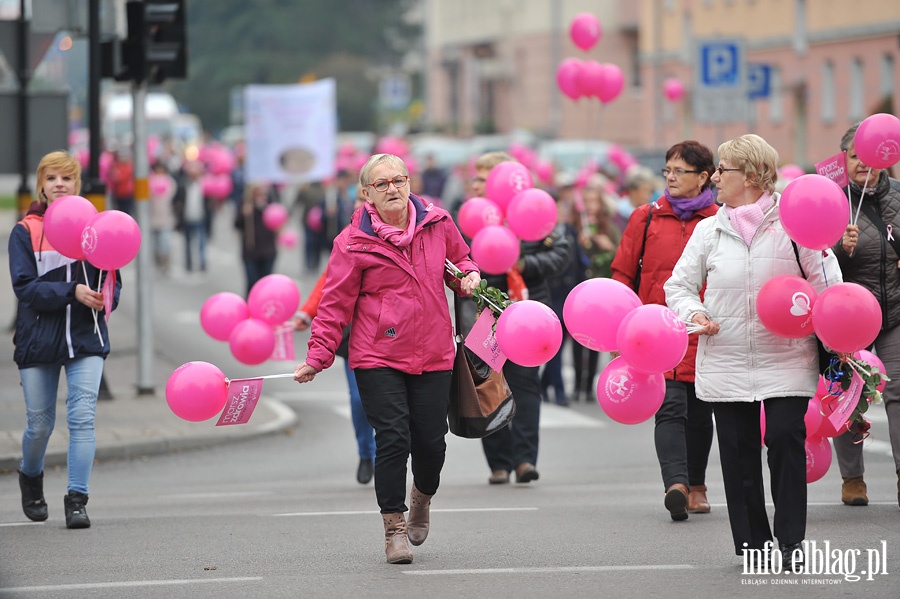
156,47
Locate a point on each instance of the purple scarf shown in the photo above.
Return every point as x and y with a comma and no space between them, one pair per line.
686,207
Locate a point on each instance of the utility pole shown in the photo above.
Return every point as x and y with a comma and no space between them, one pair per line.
24,76
93,187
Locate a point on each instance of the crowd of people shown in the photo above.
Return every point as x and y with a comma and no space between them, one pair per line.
691,239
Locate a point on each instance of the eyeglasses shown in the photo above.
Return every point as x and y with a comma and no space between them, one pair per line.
722,169
678,172
383,184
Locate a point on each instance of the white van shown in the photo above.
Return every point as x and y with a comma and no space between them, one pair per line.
161,111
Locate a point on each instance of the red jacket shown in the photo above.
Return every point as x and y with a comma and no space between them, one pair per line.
666,239
398,305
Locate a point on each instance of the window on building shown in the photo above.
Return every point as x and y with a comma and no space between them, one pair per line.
857,96
828,99
800,41
887,76
776,98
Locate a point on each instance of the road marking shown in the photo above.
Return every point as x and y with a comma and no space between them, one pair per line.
561,569
123,584
21,524
444,511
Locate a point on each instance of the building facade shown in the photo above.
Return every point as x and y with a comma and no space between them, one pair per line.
491,65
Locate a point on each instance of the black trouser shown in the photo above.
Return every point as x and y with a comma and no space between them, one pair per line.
738,431
409,415
683,435
517,442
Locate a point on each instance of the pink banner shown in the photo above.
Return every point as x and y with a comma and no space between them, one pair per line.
243,394
835,168
109,292
284,342
847,402
483,343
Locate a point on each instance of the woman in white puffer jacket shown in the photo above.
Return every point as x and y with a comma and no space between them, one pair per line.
740,363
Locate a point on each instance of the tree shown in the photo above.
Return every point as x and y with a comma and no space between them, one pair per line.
232,43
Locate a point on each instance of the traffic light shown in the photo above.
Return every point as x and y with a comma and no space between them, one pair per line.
156,48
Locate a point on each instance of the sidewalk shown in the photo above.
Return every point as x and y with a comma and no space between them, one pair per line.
128,426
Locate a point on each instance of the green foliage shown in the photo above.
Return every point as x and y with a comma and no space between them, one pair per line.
232,43
488,297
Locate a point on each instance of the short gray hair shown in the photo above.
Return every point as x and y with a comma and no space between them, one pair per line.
374,161
847,139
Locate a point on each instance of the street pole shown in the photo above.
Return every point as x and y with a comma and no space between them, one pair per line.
24,75
145,383
93,188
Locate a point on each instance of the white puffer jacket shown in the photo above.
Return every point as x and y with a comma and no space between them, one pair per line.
744,361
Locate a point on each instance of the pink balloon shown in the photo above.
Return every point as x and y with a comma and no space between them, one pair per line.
628,396
813,418
544,171
196,391
877,140
274,216
160,185
477,213
567,78
611,82
791,172
529,333
288,238
846,317
818,458
585,30
106,160
784,306
222,312
762,423
273,299
871,359
111,240
652,339
818,195
252,341
594,309
531,214
314,219
64,221
673,89
590,79
506,180
495,249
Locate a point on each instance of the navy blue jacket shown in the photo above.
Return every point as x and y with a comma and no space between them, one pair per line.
51,325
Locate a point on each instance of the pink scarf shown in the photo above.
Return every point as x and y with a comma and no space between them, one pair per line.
747,219
394,235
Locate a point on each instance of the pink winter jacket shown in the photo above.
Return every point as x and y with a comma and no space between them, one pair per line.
398,306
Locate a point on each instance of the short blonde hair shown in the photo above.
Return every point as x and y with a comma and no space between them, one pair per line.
753,155
59,161
389,159
492,159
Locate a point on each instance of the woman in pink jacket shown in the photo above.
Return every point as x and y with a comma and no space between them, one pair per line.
386,273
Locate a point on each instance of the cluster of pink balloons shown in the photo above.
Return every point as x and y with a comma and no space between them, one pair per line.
109,240
606,315
588,78
814,194
248,327
877,141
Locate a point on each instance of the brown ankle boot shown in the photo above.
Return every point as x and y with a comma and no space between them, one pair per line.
417,527
697,502
853,491
396,547
676,501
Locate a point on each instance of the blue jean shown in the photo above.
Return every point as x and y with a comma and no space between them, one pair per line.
194,231
365,434
40,385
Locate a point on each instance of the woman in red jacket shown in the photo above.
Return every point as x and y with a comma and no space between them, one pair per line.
387,273
651,245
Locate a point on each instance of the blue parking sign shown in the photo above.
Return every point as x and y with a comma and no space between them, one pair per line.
759,81
720,64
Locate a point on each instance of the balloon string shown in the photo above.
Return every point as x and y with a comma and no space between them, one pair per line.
861,196
267,376
94,312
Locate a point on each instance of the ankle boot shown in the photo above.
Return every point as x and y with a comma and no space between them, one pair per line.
676,501
76,514
33,503
853,491
697,502
417,527
396,545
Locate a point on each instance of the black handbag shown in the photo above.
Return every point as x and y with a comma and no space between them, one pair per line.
481,402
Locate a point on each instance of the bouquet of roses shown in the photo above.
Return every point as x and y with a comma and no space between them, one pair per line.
838,376
484,295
